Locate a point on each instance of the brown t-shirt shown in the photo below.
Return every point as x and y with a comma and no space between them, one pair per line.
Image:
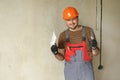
75,37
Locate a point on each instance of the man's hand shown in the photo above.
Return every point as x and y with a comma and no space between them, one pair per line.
93,44
54,49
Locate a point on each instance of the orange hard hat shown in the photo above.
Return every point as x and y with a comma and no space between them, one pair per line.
69,13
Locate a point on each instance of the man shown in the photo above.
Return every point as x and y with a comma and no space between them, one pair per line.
76,45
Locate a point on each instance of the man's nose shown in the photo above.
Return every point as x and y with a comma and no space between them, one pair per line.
71,20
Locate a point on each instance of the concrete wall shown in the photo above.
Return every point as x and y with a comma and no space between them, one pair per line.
111,38
26,28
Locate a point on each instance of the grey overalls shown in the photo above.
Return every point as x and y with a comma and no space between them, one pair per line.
78,64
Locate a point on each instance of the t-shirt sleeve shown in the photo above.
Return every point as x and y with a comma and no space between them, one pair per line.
90,33
61,41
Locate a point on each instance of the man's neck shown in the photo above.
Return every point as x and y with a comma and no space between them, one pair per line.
79,27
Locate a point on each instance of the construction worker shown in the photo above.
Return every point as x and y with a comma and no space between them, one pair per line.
76,45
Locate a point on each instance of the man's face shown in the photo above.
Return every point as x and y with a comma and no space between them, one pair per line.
72,23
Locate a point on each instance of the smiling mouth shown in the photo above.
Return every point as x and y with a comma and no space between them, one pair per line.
72,24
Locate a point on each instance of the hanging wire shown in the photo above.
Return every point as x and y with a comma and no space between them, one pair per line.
96,15
101,18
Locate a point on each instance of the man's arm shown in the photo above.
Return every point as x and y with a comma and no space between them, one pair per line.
59,53
93,42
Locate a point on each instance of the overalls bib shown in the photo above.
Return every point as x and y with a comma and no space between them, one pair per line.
78,64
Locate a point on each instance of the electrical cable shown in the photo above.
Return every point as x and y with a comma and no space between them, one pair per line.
101,18
96,14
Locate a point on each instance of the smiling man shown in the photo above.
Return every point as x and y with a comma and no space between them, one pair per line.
76,46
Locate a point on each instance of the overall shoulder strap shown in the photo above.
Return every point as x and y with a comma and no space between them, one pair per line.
83,33
67,36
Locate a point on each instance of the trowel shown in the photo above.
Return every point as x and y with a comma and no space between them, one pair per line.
53,39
